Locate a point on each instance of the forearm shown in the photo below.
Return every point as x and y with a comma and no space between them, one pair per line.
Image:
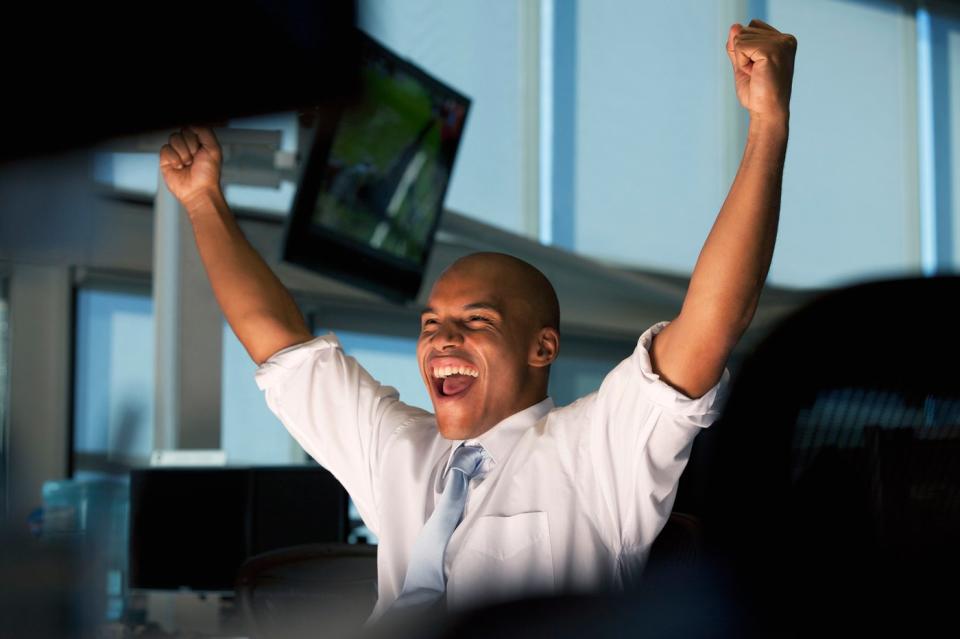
256,304
733,264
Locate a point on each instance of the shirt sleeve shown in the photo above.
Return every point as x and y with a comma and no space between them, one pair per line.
337,412
637,445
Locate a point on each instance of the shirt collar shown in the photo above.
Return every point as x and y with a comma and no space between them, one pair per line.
499,440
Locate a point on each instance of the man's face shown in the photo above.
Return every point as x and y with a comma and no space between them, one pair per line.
481,333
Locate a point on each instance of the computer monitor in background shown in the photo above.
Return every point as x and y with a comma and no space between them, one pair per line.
371,191
192,528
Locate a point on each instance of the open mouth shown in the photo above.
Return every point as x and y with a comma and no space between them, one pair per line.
453,382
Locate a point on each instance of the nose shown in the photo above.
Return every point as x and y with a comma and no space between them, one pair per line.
448,334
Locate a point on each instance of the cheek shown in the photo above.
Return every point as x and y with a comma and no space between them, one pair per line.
507,369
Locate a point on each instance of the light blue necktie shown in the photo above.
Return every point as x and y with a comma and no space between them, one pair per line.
424,583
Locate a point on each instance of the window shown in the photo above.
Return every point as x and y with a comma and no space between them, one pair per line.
114,391
657,145
573,376
113,382
250,434
648,131
945,80
852,161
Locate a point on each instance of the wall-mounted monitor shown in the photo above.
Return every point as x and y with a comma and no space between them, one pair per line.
371,191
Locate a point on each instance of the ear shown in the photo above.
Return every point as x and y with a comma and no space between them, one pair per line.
545,349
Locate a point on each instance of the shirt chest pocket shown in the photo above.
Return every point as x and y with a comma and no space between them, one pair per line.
502,557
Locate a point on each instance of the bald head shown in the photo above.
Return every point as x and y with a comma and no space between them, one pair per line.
498,316
516,280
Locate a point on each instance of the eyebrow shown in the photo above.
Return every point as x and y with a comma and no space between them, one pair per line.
490,306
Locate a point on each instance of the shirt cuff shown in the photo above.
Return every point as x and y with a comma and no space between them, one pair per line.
287,360
701,411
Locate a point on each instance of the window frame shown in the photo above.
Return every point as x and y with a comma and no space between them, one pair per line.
100,280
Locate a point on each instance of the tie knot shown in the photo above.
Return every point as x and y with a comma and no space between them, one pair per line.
467,460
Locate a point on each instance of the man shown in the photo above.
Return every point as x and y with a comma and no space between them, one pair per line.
538,498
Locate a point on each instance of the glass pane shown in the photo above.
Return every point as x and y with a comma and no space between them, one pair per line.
249,432
572,377
653,145
650,131
946,98
114,380
136,172
842,176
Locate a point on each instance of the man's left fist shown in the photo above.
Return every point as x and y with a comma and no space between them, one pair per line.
762,60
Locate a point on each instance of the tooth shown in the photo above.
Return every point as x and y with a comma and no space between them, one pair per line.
447,371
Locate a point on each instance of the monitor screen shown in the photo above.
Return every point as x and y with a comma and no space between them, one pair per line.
371,191
192,528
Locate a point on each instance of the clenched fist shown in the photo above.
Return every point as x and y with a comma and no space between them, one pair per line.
191,162
762,60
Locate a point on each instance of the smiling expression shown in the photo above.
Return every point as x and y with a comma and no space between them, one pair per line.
480,330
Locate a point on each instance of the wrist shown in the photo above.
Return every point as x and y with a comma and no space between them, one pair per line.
775,127
204,201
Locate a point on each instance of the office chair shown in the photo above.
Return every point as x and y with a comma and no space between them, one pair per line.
311,590
834,486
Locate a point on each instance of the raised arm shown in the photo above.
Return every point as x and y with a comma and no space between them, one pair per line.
691,352
257,306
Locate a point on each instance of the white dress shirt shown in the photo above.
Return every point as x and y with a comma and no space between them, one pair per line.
570,499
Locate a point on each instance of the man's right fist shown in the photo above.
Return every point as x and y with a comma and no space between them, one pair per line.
190,163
